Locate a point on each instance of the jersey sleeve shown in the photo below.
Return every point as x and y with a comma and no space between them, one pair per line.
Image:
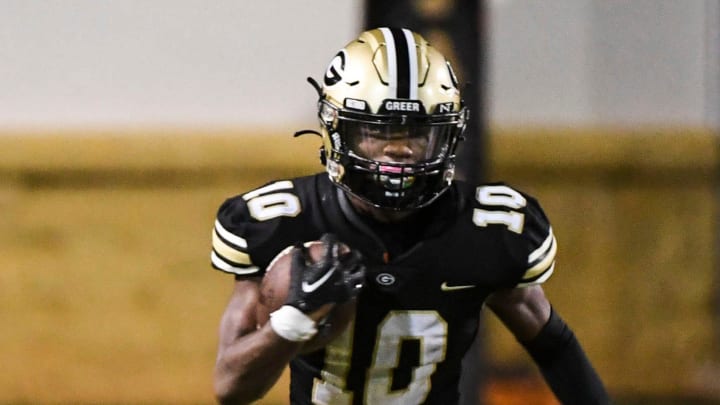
250,229
540,243
541,262
524,231
230,251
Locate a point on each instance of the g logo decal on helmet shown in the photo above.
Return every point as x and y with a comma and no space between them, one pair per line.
391,118
333,75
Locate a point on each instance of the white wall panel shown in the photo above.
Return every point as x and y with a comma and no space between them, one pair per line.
166,62
612,62
70,63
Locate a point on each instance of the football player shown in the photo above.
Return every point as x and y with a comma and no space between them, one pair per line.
434,251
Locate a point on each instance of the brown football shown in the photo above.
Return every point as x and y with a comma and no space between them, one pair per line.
274,289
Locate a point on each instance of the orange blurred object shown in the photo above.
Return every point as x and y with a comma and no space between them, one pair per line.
521,390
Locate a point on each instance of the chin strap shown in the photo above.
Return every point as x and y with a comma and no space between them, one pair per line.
323,155
318,89
306,132
315,85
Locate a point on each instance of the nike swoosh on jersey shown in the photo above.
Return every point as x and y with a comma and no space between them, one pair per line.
445,287
308,288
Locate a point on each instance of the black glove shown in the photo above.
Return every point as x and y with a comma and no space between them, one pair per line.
336,278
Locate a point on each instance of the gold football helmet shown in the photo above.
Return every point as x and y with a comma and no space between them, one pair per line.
391,117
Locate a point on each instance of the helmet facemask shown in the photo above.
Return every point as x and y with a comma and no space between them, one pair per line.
392,161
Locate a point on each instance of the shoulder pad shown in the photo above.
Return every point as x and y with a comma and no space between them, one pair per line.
530,238
246,222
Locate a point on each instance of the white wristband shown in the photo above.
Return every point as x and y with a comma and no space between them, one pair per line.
291,324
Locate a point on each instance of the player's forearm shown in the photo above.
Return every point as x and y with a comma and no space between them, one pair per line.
565,366
246,369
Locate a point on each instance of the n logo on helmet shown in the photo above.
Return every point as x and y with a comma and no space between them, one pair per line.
334,72
444,108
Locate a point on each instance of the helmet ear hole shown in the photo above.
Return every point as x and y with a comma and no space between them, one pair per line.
323,155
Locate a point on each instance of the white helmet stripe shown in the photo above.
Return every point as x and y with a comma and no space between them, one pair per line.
402,63
412,59
391,60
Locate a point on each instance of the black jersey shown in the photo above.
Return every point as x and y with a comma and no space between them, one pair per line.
427,279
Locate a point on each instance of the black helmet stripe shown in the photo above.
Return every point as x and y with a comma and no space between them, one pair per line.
402,62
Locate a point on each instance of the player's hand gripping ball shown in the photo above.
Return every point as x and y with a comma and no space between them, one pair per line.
321,279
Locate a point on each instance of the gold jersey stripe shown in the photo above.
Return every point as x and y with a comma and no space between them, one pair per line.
219,263
544,264
543,247
228,252
228,236
540,279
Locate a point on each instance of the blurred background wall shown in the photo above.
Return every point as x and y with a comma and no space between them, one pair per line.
123,125
179,63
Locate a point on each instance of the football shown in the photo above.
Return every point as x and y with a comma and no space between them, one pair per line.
274,289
